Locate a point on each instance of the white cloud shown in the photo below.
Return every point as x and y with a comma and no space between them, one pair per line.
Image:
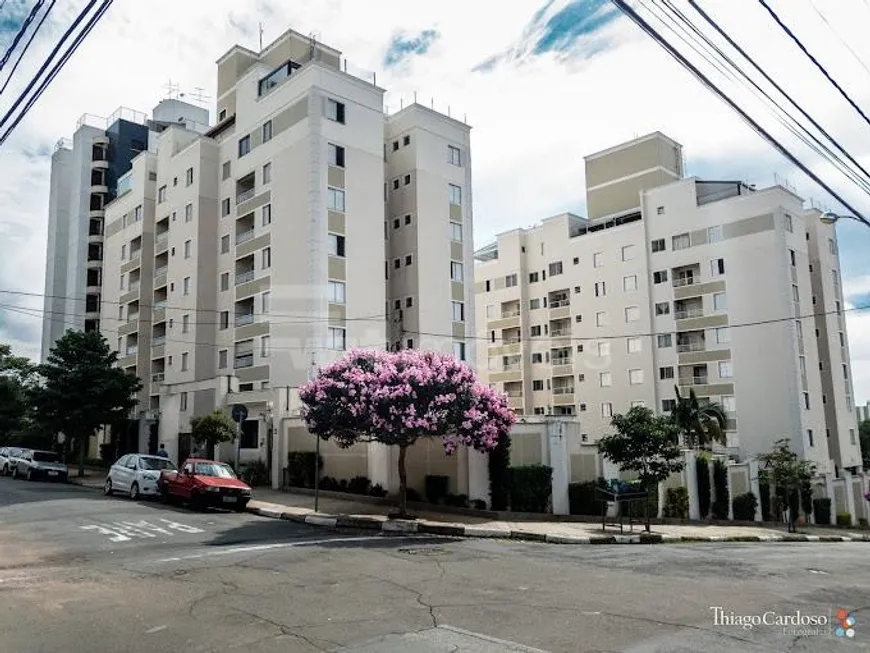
533,121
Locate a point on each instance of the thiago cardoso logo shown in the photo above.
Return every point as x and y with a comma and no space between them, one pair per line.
839,624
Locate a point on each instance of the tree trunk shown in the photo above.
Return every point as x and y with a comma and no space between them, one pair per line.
403,482
83,444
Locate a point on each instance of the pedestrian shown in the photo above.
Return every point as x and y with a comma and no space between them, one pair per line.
162,451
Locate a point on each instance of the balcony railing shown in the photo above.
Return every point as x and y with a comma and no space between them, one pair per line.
158,341
132,349
133,317
244,277
133,285
684,281
158,377
515,340
693,380
163,269
244,319
560,333
514,393
506,314
160,305
512,367
245,195
567,390
560,361
134,254
559,303
697,345
161,236
244,361
688,313
244,236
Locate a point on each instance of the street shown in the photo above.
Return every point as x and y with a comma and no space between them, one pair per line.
82,572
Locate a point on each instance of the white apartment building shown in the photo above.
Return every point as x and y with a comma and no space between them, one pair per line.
671,281
304,223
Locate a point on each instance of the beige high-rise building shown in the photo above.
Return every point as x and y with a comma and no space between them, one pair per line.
673,282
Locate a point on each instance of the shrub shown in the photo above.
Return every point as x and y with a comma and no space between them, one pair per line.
531,486
377,490
456,500
97,463
720,487
413,495
328,483
844,519
359,485
764,491
582,500
744,506
436,487
822,508
478,504
702,470
107,454
300,468
499,474
255,474
677,503
807,498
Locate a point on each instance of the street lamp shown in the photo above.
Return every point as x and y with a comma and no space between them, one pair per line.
829,217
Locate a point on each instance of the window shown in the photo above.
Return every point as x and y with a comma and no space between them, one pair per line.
555,268
409,259
161,194
244,146
336,245
510,281
577,290
188,177
226,207
187,247
454,156
335,155
185,323
456,271
266,258
267,131
267,173
600,289
717,267
601,318
666,373
714,234
335,199
632,313
267,214
628,252
458,309
635,377
669,405
832,247
534,304
459,350
456,232
680,241
225,244
720,301
265,302
537,385
639,403
534,277
795,292
222,115
660,210
597,259
634,345
661,276
607,409
454,194
335,111
490,311
335,292
222,359
537,358
185,286
407,180
395,184
226,170
397,263
663,308
336,338
726,369
409,302
183,401
137,213
789,225
578,318
605,379
406,140
664,340
629,283
123,252
603,349
658,245
845,371
723,335
852,436
225,281
728,404
225,320
535,331
184,361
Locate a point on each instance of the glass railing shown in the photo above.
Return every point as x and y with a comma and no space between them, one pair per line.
560,361
559,303
244,236
688,313
244,196
244,277
693,380
690,346
158,377
158,341
163,235
568,390
163,269
244,361
244,319
684,281
160,305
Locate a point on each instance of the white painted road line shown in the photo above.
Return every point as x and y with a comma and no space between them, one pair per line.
268,547
125,531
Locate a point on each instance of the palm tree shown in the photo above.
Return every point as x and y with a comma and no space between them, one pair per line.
700,424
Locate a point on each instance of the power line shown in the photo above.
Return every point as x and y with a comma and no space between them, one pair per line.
839,38
646,27
21,31
27,45
815,61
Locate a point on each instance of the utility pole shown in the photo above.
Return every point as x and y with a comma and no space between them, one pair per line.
261,37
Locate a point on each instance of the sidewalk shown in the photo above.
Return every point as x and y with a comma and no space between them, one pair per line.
347,513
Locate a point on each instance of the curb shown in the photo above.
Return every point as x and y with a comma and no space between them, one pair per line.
479,532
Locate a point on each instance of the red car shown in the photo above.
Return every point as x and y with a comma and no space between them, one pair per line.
205,483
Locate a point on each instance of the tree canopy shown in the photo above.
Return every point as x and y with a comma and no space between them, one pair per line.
790,475
864,439
701,424
212,429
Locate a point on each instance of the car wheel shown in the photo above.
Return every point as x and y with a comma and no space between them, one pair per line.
241,506
29,474
14,472
197,502
5,470
134,491
107,488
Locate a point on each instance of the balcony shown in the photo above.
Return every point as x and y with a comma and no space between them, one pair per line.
679,282
132,350
692,345
158,377
162,236
132,286
246,360
244,319
159,272
512,367
510,313
561,360
158,341
160,305
566,390
694,380
560,303
244,236
244,277
687,313
514,393
245,195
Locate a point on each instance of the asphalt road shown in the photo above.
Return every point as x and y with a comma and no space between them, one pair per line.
79,572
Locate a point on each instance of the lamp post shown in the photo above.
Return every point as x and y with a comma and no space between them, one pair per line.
829,218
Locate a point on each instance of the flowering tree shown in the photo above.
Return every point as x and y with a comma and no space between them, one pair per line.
396,398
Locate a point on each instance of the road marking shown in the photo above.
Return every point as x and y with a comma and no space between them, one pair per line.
125,531
156,629
268,547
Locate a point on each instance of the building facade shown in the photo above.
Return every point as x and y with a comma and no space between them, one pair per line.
672,284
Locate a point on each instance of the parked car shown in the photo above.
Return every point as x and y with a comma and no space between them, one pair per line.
7,455
34,465
205,483
137,474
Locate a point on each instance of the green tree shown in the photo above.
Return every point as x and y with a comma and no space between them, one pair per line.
82,389
699,424
16,379
789,474
646,444
864,439
212,429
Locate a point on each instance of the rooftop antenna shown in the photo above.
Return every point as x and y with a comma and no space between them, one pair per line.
261,37
172,90
312,42
198,96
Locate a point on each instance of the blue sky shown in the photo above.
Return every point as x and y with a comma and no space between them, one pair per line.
542,82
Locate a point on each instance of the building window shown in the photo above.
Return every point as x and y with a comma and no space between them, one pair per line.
137,213
534,277
726,370
222,115
336,245
728,404
666,373
454,194
535,331
660,210
791,258
185,286
635,377
629,283
628,252
510,281
852,437
336,292
409,302
225,320
225,282
660,276
717,267
184,361
161,194
789,225
458,310
187,248
632,313
456,271
397,263
406,141
335,111
267,258
335,155
407,180
723,335
832,246
680,241
634,345
663,308
267,173
244,145
720,301
188,177
267,214
597,259
183,401
601,318
408,219
664,340
226,170
454,155
336,339
658,245
335,199
264,346
537,358
537,385
607,409
185,323
603,349
225,244
409,259
600,289
267,131
123,254
714,234
605,379
222,359
459,350
555,268
395,184
226,207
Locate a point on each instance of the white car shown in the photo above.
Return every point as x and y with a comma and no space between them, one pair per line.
137,474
